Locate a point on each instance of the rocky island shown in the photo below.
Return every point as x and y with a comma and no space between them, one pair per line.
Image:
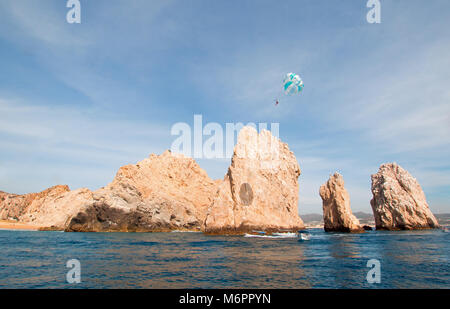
160,193
259,192
398,201
171,192
337,214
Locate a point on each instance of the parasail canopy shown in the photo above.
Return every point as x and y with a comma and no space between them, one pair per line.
293,84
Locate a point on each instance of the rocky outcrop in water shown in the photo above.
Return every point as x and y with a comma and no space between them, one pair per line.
160,193
337,214
171,192
260,190
399,202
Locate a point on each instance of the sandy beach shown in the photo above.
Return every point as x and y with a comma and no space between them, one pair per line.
11,225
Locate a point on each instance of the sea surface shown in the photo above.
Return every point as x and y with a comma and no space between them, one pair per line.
410,259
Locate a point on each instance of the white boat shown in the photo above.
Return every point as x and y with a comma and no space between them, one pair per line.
261,234
285,235
304,237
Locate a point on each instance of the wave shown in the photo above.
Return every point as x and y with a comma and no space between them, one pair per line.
274,235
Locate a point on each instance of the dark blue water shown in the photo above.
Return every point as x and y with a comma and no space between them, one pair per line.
418,259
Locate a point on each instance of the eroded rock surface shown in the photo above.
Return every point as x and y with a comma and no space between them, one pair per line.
337,214
171,192
160,193
260,190
399,202
49,209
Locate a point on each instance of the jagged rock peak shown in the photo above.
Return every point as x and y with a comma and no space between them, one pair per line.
398,201
260,190
337,214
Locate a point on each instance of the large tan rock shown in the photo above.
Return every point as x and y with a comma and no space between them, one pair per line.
49,209
13,206
171,192
160,193
337,214
260,190
399,202
55,211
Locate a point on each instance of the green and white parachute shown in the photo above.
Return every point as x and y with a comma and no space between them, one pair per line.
292,84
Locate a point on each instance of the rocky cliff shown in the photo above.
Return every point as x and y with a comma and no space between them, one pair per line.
51,208
160,193
171,192
260,190
337,214
399,202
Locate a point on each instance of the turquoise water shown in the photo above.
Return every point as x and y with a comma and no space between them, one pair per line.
417,259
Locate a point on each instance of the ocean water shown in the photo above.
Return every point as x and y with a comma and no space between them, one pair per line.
413,259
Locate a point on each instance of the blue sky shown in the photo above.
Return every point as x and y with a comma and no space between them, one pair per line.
77,101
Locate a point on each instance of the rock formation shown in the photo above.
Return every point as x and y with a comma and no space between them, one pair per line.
49,209
260,190
171,192
337,214
398,201
13,206
55,213
16,207
160,193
